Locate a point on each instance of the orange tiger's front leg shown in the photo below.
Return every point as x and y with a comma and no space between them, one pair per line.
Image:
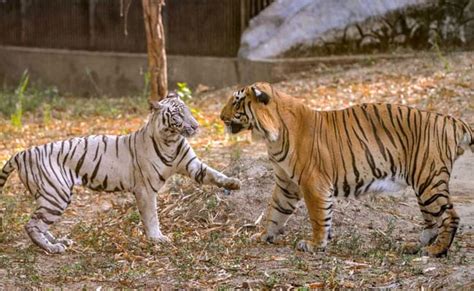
284,200
319,201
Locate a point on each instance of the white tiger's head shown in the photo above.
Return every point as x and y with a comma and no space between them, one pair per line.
173,117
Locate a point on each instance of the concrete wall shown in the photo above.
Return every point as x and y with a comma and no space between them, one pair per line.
85,73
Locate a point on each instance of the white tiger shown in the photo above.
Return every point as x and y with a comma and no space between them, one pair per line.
139,162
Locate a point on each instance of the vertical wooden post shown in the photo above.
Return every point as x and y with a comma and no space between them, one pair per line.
243,16
92,4
23,7
156,48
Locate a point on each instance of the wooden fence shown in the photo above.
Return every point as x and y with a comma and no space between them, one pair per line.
192,27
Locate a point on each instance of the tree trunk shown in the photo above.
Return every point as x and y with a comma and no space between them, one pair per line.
156,49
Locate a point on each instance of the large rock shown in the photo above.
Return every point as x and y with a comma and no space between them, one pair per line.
342,26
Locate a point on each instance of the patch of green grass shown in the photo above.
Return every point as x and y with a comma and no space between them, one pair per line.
77,268
26,260
352,243
48,103
225,287
330,278
211,202
271,280
25,99
133,217
86,266
384,240
13,218
440,57
299,263
236,153
108,107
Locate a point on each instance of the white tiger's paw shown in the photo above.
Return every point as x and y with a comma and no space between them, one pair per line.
65,241
232,184
162,239
57,248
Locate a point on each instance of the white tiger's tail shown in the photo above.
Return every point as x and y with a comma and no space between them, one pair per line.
9,167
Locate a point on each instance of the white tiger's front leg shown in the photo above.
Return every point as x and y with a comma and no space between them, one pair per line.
203,174
146,203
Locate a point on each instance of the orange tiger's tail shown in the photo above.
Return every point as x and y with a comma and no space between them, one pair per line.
9,167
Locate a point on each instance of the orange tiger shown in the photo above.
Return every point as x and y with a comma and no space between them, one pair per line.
319,155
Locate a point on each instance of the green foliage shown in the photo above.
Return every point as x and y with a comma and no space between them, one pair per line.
146,85
15,103
440,56
271,280
20,94
133,217
184,91
12,219
47,116
45,104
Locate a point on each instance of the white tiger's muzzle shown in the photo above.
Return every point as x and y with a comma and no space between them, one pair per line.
189,131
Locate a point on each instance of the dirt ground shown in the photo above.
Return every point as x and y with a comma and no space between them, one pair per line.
211,230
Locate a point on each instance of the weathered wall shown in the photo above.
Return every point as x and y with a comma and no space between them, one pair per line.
353,26
84,73
118,74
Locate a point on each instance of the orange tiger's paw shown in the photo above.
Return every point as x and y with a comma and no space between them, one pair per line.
410,248
434,251
309,246
263,237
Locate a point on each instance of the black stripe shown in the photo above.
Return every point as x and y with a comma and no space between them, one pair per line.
158,172
189,162
184,155
117,146
104,183
96,169
440,212
433,199
157,151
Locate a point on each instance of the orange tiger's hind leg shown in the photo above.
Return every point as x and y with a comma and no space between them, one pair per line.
436,206
447,230
430,229
320,209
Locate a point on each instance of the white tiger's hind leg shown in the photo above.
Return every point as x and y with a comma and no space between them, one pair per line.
48,212
146,203
65,241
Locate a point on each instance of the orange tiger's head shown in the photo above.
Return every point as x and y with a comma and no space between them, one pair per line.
252,108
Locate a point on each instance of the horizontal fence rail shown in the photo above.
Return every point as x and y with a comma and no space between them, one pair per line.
192,27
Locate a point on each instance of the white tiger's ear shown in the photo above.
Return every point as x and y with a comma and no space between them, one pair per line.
155,105
261,96
172,94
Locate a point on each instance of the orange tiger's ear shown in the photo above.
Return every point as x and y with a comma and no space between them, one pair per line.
261,96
